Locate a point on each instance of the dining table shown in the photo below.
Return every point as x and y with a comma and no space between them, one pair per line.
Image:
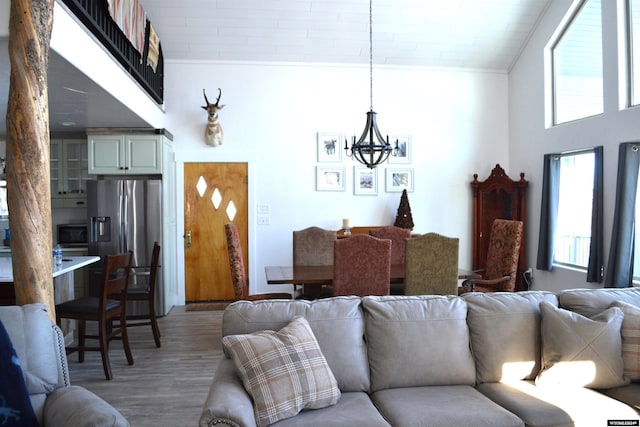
316,275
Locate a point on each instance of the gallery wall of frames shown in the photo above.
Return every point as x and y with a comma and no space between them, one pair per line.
336,171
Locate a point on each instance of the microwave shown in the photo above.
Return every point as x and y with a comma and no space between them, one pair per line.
73,235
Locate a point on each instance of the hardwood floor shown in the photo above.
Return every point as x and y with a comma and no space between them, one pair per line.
165,386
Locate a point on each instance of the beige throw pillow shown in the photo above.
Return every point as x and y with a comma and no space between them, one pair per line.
630,339
284,372
579,351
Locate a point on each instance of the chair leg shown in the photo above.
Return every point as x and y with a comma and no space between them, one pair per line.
125,338
104,349
81,338
154,323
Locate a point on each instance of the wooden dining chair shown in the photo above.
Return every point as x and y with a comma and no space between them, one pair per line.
431,265
147,276
398,237
103,310
361,266
238,274
313,246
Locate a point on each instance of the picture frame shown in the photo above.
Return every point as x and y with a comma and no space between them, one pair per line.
403,155
329,147
365,181
330,178
398,179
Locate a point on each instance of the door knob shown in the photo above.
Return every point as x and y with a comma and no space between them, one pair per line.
188,237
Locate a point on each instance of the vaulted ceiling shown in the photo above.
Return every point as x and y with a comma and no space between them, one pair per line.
486,34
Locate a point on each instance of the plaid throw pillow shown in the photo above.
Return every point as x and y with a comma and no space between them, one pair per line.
630,339
284,372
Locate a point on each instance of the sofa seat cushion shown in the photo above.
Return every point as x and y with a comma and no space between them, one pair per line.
629,394
505,333
284,372
337,323
353,409
441,406
418,341
579,351
556,406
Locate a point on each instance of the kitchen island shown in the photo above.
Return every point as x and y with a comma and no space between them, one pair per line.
69,264
63,284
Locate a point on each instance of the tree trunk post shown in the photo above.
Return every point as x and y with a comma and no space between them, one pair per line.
28,185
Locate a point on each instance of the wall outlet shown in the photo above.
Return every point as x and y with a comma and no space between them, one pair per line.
263,209
264,219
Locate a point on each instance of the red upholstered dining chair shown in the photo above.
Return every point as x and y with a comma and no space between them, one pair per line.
361,266
103,310
313,246
502,259
398,237
238,274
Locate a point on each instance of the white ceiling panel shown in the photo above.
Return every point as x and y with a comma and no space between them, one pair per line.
477,34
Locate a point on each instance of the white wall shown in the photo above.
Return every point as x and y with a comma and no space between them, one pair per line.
457,121
529,140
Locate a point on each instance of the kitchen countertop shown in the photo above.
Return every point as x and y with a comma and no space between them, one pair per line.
7,249
68,264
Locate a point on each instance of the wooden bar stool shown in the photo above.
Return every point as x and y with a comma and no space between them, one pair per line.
104,310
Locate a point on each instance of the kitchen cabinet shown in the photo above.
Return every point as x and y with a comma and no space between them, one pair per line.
69,173
122,154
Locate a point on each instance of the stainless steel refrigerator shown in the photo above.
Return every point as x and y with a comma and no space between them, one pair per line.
126,215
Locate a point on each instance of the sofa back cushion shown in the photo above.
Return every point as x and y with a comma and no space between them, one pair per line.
591,302
32,335
417,341
337,323
505,333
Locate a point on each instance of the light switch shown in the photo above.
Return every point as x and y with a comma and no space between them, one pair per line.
263,209
264,219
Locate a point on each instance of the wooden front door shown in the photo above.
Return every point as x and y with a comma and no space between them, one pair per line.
214,194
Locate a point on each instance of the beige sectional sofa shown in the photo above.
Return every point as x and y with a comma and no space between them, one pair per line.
39,345
447,360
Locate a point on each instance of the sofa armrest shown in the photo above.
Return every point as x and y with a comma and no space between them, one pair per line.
228,403
79,407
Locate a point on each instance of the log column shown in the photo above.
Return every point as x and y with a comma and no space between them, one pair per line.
28,185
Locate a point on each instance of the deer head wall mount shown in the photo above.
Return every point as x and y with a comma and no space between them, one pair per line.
213,134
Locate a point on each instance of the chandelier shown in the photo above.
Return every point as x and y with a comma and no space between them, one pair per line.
371,149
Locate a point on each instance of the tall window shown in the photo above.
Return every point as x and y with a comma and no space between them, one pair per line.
636,240
573,232
577,66
622,267
571,225
634,49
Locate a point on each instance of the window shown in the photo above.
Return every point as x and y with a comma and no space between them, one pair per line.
571,216
573,232
636,240
634,50
576,58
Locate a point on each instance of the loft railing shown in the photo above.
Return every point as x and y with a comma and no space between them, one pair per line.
95,17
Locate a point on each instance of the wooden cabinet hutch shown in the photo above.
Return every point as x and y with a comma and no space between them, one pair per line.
497,197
